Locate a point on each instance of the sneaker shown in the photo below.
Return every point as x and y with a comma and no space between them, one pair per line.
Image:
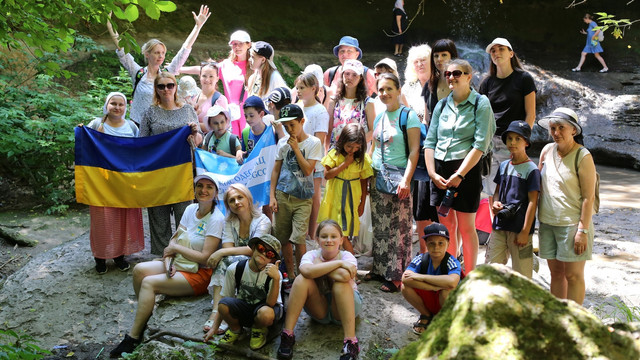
604,70
121,263
126,346
229,337
101,266
258,338
285,351
350,350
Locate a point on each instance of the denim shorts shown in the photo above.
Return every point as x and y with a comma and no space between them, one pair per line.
556,243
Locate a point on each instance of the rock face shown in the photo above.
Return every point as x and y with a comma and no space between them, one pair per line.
498,314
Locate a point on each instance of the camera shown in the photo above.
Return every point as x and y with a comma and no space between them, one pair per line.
508,212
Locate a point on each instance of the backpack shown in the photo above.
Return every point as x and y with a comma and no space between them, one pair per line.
596,201
485,161
334,69
424,263
138,77
421,173
232,142
215,97
240,271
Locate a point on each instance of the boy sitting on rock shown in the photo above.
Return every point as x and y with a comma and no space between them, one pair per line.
431,276
251,294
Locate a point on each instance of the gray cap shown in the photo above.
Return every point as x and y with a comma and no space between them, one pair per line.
268,240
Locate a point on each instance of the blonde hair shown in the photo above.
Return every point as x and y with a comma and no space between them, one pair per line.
265,76
242,189
149,45
165,75
415,53
233,57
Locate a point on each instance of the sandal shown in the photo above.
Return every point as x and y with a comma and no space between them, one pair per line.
576,69
373,277
389,287
207,325
419,326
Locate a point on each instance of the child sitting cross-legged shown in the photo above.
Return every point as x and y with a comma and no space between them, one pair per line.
326,290
431,276
251,294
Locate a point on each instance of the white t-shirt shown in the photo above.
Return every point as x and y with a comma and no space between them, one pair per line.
315,257
251,287
316,119
198,229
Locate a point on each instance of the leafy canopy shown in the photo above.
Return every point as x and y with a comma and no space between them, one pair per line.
50,26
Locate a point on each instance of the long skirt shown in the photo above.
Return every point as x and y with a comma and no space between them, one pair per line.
115,231
392,234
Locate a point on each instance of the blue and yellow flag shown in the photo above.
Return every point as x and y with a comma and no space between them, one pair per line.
133,172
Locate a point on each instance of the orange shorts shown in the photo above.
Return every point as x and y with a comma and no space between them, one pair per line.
199,280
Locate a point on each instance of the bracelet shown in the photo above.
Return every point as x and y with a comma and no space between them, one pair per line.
460,175
584,231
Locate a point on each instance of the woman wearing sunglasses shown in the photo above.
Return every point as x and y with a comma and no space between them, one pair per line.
154,52
183,271
461,130
165,114
244,221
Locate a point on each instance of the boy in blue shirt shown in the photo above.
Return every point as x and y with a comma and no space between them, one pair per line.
514,203
431,276
292,185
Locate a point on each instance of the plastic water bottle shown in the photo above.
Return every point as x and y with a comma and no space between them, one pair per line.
447,202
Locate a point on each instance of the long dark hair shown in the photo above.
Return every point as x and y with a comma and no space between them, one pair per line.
361,90
352,132
440,46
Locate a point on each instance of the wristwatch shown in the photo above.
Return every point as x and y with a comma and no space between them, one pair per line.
584,231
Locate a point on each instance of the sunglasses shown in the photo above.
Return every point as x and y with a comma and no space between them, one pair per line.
168,86
270,254
456,73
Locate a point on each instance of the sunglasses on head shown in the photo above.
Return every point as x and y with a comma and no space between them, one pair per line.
209,63
168,86
270,254
456,73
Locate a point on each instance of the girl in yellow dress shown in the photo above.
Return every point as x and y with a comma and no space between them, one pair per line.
347,169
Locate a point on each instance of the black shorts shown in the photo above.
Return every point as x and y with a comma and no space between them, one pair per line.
468,198
245,312
421,197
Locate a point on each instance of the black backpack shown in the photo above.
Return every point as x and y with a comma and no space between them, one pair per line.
232,142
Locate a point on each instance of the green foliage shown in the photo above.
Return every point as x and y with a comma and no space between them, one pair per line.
19,346
616,310
609,21
288,68
377,352
50,27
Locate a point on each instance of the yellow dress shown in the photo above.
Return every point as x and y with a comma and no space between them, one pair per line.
343,192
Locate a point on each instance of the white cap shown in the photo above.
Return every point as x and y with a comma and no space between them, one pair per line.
316,70
240,35
498,41
207,175
187,87
216,110
390,63
353,65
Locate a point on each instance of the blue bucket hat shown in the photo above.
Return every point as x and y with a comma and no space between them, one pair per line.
348,41
518,127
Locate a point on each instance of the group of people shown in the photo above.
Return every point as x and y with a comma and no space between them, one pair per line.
418,151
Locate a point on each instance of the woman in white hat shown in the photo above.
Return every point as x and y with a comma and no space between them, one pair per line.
154,53
183,270
566,204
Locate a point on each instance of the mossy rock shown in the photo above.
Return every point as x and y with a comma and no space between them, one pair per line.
496,313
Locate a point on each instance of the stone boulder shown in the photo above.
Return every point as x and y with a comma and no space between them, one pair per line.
496,313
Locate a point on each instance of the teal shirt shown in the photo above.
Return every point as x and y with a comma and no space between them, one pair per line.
394,149
454,131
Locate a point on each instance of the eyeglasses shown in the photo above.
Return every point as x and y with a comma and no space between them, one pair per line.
168,86
456,73
270,254
209,63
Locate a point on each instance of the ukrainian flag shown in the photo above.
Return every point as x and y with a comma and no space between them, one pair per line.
126,172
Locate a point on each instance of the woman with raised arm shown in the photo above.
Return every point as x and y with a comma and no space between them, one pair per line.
154,52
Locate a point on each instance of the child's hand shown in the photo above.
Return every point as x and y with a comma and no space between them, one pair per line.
293,142
211,333
410,275
273,204
361,208
348,160
272,270
582,31
496,206
222,153
239,157
352,269
522,238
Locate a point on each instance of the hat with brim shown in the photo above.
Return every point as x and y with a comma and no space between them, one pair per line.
498,41
436,229
290,112
217,110
390,63
187,87
268,240
348,41
518,127
241,36
265,50
353,65
316,70
562,114
278,96
207,175
254,102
